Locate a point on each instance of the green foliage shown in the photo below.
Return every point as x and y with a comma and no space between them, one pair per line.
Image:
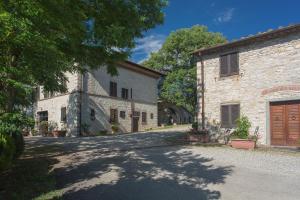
195,125
100,133
115,127
11,125
7,151
176,60
85,127
179,87
243,126
40,40
43,128
52,126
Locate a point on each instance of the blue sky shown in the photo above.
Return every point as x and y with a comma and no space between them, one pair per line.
233,18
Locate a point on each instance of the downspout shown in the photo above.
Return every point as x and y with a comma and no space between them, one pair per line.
80,91
202,94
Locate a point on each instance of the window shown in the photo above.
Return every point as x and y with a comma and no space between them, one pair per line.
124,93
64,83
151,115
113,116
113,89
52,94
229,64
42,116
131,93
63,114
93,114
46,94
229,115
144,117
122,114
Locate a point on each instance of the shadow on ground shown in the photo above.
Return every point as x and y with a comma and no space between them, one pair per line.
135,166
158,173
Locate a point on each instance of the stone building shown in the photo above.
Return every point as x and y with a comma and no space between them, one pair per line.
96,100
257,76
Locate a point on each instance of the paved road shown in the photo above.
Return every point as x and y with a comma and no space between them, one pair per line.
140,167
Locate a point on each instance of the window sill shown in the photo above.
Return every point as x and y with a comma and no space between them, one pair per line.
233,76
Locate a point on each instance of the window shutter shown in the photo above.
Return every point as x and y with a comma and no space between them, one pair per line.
234,65
235,113
144,117
223,65
225,116
113,89
63,114
113,115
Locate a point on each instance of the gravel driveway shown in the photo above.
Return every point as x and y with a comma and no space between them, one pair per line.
142,166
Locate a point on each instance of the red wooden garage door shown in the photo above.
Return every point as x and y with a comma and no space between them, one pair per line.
285,123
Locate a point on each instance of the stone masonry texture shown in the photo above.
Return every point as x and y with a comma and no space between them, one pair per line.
95,95
268,71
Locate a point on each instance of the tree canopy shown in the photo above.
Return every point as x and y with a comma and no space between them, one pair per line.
41,40
176,60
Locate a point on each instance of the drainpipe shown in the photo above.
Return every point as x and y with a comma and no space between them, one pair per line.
80,91
202,94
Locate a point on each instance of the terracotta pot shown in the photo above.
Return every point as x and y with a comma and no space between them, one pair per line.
243,144
59,133
198,138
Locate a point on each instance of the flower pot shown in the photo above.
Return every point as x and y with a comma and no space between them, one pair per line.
243,143
59,133
198,138
55,133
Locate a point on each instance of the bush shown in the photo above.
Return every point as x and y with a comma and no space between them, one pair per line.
103,132
243,126
7,151
195,125
115,127
18,140
11,125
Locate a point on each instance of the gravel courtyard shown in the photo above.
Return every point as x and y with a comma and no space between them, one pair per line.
143,166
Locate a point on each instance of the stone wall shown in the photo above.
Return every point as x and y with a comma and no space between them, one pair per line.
102,106
54,104
144,87
96,96
269,71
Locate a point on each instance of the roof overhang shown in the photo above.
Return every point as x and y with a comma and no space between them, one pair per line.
140,69
250,40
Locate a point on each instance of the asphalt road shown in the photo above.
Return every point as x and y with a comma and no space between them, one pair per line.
143,166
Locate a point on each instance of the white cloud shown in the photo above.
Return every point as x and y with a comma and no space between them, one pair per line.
149,44
225,16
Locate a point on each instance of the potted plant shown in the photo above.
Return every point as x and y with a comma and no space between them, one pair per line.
43,128
240,138
63,130
85,129
53,128
195,135
114,128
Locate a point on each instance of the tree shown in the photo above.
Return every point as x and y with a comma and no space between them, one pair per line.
176,60
41,40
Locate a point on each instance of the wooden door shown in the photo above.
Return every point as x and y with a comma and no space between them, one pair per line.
293,124
285,123
135,124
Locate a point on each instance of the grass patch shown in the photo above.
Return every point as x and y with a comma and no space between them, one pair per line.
30,178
